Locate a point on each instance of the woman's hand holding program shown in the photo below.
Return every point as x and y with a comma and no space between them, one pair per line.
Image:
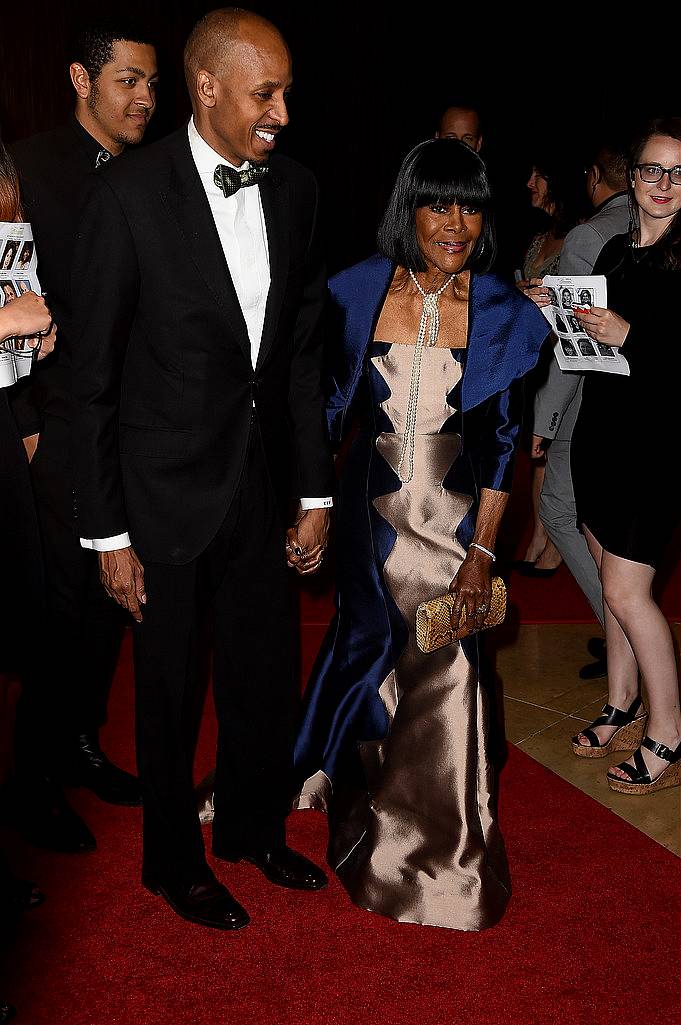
534,290
604,326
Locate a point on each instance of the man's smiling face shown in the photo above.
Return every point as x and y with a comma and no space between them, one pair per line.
250,96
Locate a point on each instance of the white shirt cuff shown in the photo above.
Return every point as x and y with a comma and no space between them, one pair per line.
315,503
106,544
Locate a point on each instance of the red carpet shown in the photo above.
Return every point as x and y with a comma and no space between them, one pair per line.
577,945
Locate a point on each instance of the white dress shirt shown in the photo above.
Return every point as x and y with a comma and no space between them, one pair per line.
240,222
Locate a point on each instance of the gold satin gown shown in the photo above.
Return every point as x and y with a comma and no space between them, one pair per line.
423,844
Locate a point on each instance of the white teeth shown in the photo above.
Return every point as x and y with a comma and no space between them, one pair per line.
265,136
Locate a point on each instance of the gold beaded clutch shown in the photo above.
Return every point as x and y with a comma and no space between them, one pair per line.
434,619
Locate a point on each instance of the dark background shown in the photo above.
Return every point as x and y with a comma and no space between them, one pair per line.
369,84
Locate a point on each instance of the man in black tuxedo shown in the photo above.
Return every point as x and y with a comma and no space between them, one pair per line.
198,414
113,73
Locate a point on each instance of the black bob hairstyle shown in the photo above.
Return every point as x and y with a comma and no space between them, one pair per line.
444,171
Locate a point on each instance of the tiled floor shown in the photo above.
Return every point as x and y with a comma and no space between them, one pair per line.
545,703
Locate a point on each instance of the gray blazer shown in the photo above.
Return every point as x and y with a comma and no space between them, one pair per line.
557,402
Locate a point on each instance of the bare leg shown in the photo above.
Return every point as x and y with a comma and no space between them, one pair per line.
627,592
622,664
541,550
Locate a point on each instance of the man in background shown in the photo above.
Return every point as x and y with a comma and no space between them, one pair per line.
558,400
114,74
461,123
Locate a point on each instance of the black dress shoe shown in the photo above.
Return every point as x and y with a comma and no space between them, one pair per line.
528,569
284,867
40,811
89,767
7,1012
20,894
594,670
596,647
206,903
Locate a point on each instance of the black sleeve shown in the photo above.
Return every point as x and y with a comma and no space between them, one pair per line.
25,406
105,293
306,399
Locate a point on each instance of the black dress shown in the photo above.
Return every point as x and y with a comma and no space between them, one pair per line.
625,442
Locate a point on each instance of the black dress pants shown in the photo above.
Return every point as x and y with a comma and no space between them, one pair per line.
241,581
21,573
66,688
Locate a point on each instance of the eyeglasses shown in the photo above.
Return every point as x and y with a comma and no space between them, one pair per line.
653,173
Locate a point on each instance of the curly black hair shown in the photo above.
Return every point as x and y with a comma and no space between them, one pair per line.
92,43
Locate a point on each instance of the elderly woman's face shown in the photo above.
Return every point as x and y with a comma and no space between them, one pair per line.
446,234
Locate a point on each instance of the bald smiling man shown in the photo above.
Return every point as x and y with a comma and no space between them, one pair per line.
198,440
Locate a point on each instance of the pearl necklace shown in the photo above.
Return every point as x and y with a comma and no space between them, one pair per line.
430,324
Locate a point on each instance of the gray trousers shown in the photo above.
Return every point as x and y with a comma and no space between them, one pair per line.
558,513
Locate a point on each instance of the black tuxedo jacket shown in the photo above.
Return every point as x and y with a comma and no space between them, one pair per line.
162,376
55,169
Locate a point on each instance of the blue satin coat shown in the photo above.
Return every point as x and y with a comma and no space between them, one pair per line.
342,705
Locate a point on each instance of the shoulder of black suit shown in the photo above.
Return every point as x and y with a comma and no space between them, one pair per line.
68,144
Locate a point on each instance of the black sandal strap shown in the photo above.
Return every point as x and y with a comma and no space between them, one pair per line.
661,750
611,716
639,762
618,716
591,737
637,773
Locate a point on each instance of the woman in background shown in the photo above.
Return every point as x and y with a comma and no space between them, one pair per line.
624,465
556,192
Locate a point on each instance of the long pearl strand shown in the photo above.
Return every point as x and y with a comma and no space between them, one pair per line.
430,325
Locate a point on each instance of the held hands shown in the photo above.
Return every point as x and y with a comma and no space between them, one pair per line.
122,575
472,589
31,444
306,541
604,326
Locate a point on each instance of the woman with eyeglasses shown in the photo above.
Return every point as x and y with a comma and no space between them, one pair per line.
624,457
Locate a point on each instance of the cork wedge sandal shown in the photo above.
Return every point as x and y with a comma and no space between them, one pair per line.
630,727
640,780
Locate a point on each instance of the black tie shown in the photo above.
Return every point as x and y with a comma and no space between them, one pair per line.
230,180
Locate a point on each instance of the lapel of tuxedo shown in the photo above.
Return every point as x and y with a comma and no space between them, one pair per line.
186,200
274,197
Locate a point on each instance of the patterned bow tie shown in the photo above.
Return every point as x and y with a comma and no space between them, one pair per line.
102,157
230,180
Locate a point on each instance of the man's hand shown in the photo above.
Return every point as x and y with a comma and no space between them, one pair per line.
538,448
306,541
122,575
